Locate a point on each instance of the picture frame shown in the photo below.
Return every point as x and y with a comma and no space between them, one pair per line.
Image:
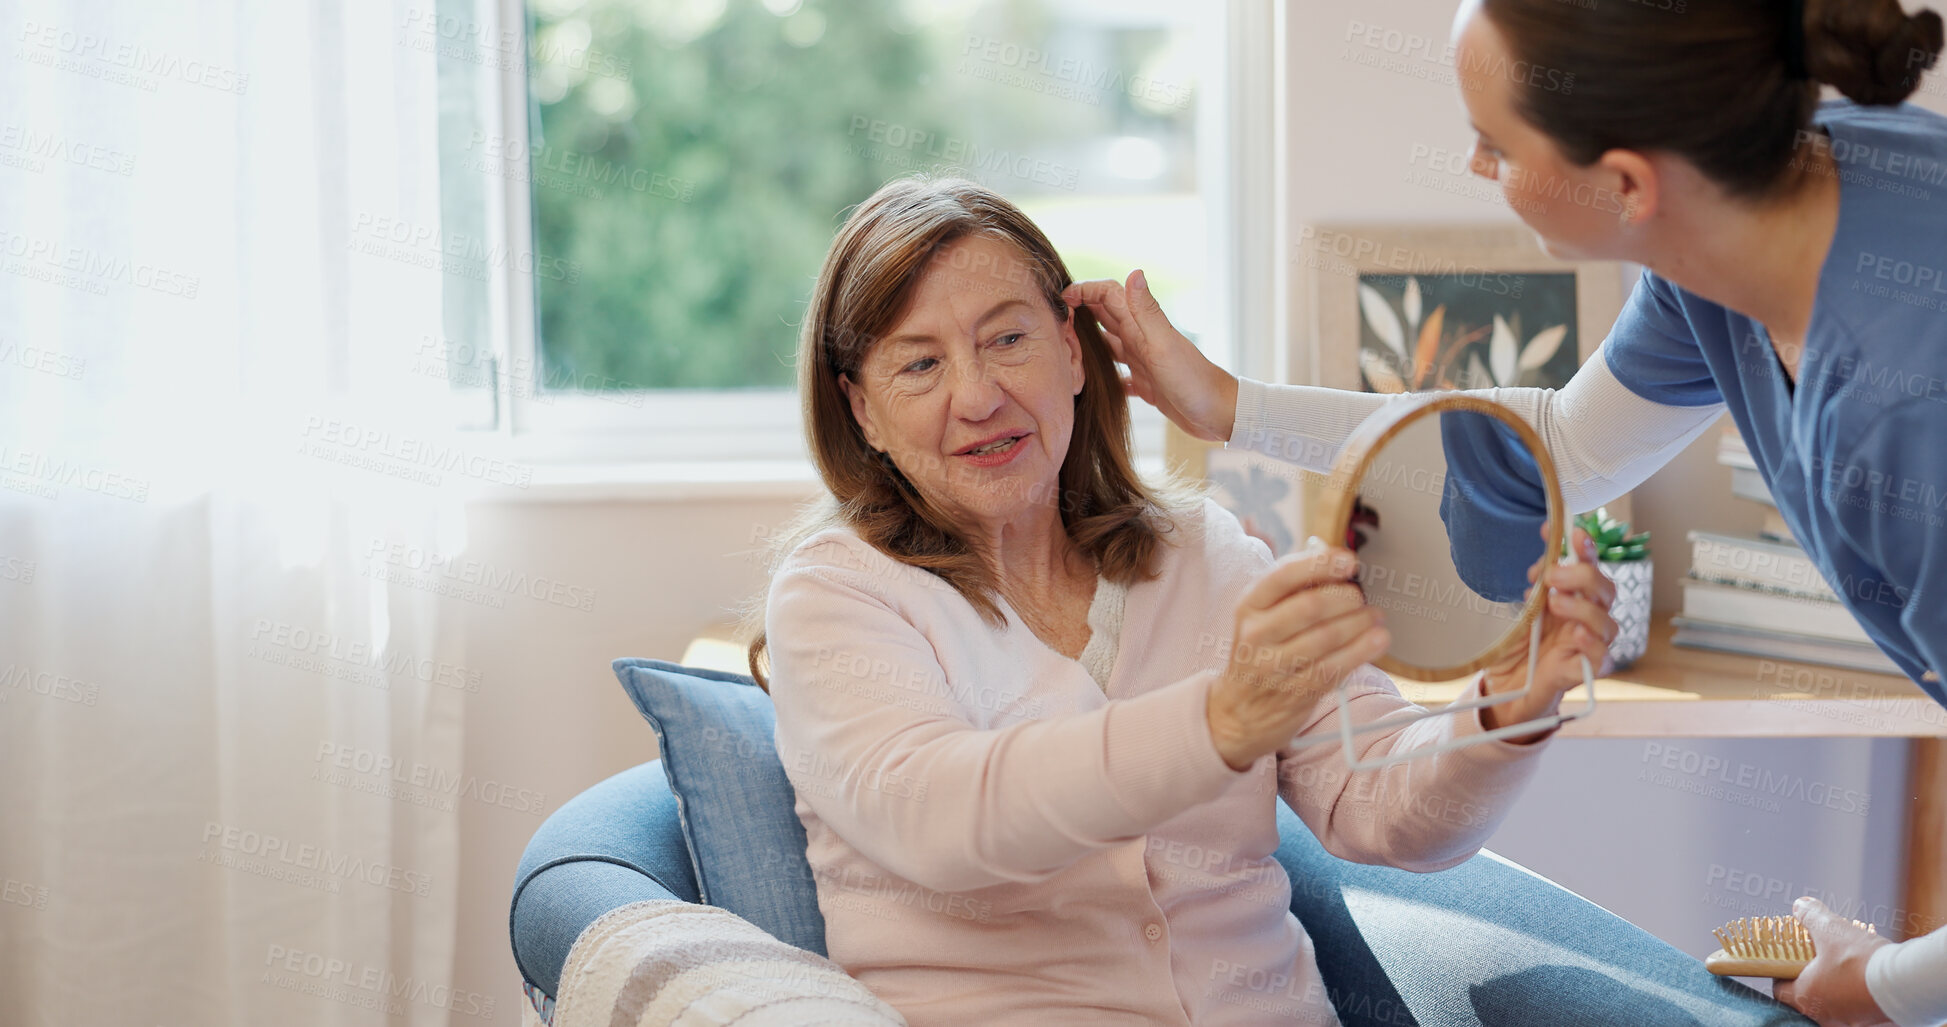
1478,269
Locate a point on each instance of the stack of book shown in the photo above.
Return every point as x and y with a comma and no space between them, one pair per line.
1764,596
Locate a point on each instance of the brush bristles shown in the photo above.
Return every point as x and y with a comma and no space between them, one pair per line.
1770,937
1766,937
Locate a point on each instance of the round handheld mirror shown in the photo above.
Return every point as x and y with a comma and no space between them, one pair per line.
1448,501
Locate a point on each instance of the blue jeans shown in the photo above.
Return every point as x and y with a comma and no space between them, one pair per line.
1489,943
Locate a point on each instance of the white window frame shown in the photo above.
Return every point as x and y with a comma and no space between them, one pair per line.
724,436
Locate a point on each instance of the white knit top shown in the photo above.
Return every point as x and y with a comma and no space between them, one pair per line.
1105,626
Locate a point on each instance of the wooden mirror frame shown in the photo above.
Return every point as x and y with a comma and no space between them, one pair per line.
1342,487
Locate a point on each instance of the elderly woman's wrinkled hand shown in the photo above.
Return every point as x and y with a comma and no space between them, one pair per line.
1300,629
1575,626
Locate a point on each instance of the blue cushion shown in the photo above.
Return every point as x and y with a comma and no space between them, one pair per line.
737,809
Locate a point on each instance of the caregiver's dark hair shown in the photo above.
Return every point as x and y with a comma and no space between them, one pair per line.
863,291
1709,80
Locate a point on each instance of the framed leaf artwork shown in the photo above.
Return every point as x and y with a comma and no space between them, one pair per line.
1403,308
1421,333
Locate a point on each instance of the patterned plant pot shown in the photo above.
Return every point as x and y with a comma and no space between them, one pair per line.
1631,610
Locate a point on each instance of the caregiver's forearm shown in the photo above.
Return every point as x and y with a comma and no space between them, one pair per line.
1909,980
1604,439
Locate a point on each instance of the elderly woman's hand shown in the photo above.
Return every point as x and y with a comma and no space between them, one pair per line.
1301,628
1575,625
1166,369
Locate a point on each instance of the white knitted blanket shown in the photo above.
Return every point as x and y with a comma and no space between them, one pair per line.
665,962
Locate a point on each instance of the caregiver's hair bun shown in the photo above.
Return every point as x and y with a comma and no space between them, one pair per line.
1870,50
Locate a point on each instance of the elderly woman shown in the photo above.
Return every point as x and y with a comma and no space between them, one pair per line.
1037,713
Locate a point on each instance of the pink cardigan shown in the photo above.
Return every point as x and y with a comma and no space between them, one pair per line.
996,841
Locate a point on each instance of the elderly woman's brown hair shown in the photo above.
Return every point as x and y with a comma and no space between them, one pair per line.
863,291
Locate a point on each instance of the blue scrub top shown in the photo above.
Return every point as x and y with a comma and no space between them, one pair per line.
1856,452
1493,505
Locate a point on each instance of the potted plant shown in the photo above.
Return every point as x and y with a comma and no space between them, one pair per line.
1625,558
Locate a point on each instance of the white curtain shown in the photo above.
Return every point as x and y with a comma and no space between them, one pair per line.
230,519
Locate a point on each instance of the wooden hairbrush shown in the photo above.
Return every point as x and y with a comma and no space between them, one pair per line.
1764,946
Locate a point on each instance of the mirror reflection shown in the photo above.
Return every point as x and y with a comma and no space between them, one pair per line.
1449,518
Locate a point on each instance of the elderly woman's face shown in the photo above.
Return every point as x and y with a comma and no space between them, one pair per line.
978,357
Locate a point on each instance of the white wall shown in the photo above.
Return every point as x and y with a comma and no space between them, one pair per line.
551,718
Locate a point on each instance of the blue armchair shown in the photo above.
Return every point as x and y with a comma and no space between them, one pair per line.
1486,942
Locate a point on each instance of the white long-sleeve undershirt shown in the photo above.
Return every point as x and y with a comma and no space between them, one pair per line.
1604,439
1909,980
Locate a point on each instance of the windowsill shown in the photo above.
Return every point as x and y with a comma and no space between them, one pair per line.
686,482
666,482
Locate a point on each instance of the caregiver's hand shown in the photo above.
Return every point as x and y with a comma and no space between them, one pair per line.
1165,369
1575,623
1832,990
1301,628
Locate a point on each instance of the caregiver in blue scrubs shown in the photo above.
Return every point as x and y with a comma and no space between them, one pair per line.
1795,257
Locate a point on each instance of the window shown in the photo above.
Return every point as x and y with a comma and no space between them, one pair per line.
676,170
